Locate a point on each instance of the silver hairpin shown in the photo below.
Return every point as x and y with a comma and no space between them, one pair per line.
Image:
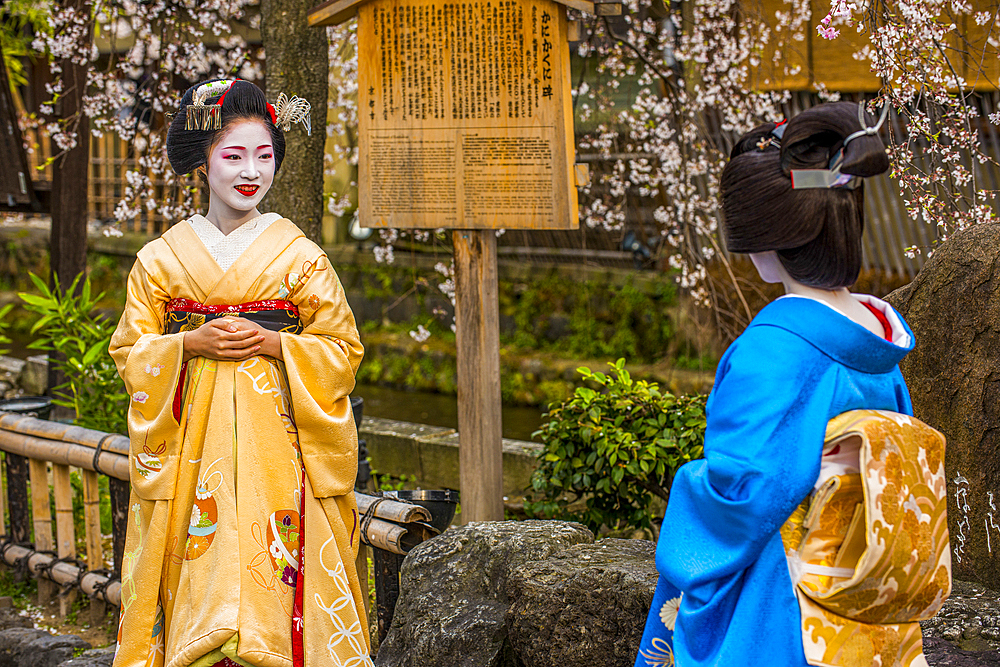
866,130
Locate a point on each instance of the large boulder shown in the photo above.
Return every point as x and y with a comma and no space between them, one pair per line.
33,647
99,657
583,606
453,600
953,307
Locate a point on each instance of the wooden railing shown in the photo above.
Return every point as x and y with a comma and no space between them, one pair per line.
46,453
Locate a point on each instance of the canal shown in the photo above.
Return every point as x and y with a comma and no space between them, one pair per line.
411,406
440,410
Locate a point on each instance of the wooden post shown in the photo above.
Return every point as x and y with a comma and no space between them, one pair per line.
95,547
3,502
17,496
68,242
65,533
477,335
41,516
119,518
387,566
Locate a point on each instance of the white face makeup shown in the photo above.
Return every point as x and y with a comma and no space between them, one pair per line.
240,172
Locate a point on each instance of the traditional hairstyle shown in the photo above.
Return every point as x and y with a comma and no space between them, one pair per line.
187,148
815,229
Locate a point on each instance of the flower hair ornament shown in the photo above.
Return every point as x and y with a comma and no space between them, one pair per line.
201,116
287,111
808,179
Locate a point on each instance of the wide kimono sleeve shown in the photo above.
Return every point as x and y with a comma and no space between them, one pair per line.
149,363
767,416
763,441
321,363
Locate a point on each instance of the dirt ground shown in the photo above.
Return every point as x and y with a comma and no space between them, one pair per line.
98,631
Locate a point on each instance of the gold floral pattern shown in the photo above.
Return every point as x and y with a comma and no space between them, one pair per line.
660,655
872,548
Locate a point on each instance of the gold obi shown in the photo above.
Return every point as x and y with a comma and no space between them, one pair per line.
868,550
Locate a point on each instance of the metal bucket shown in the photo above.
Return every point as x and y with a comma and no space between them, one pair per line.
441,504
31,406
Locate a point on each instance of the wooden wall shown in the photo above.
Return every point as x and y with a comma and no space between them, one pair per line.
110,158
815,60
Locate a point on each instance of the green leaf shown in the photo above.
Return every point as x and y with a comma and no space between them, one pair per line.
35,300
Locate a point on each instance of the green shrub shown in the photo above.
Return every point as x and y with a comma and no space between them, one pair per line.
611,448
70,327
3,327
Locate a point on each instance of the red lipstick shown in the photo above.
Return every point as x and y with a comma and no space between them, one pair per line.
247,190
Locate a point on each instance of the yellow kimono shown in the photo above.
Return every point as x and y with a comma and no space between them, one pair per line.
213,543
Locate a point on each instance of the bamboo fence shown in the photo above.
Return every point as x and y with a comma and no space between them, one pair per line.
45,453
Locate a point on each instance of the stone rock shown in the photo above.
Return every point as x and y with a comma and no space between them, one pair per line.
99,657
12,618
953,307
940,653
583,606
51,651
13,641
969,619
34,379
10,366
453,601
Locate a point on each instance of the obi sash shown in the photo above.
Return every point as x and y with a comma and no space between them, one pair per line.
188,315
273,314
868,550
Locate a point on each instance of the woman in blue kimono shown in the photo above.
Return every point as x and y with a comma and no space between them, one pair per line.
793,199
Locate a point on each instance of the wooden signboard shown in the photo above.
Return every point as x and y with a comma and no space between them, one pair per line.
465,123
465,116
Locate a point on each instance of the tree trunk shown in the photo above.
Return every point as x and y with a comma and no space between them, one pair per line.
68,238
68,242
297,63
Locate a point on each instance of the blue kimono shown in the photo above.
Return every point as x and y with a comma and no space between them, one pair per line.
798,364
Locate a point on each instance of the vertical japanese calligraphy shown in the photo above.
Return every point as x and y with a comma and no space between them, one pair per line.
465,114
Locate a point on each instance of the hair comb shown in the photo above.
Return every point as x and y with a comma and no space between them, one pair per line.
201,116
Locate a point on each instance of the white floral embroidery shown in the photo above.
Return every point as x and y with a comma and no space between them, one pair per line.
140,397
201,493
195,515
276,550
153,369
668,613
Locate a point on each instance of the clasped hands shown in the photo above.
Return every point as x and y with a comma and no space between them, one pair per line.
231,339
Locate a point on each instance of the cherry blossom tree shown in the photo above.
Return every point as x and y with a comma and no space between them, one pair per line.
150,45
703,71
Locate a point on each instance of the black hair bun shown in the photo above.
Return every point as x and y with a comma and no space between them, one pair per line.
816,232
188,149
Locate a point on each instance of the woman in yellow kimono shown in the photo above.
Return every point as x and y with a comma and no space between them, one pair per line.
239,350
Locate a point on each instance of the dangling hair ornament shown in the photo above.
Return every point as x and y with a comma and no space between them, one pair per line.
774,136
294,110
201,116
808,179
